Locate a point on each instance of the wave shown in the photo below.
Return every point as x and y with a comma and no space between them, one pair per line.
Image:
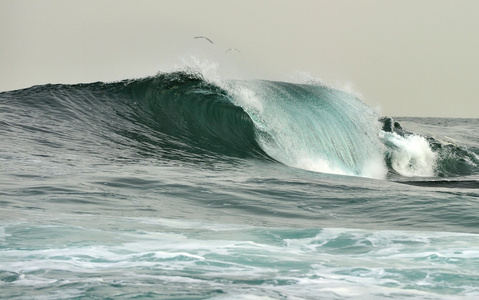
183,116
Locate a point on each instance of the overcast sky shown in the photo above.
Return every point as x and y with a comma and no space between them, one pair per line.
406,57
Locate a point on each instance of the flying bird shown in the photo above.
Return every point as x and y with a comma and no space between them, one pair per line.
232,49
204,37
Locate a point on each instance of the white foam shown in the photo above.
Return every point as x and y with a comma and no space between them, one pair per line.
337,263
318,164
410,155
374,167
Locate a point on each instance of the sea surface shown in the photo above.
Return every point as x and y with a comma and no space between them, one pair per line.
177,186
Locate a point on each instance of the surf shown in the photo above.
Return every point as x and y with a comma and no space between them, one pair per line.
225,185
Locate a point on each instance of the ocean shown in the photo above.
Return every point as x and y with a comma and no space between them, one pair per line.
179,186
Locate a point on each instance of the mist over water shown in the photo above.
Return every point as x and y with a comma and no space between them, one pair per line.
184,185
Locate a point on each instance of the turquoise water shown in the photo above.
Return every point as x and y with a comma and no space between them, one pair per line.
179,187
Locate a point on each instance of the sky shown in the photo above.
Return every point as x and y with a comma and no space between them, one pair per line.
417,58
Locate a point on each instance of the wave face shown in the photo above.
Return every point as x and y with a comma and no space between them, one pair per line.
181,116
313,127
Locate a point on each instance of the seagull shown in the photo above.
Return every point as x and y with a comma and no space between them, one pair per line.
204,37
232,49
